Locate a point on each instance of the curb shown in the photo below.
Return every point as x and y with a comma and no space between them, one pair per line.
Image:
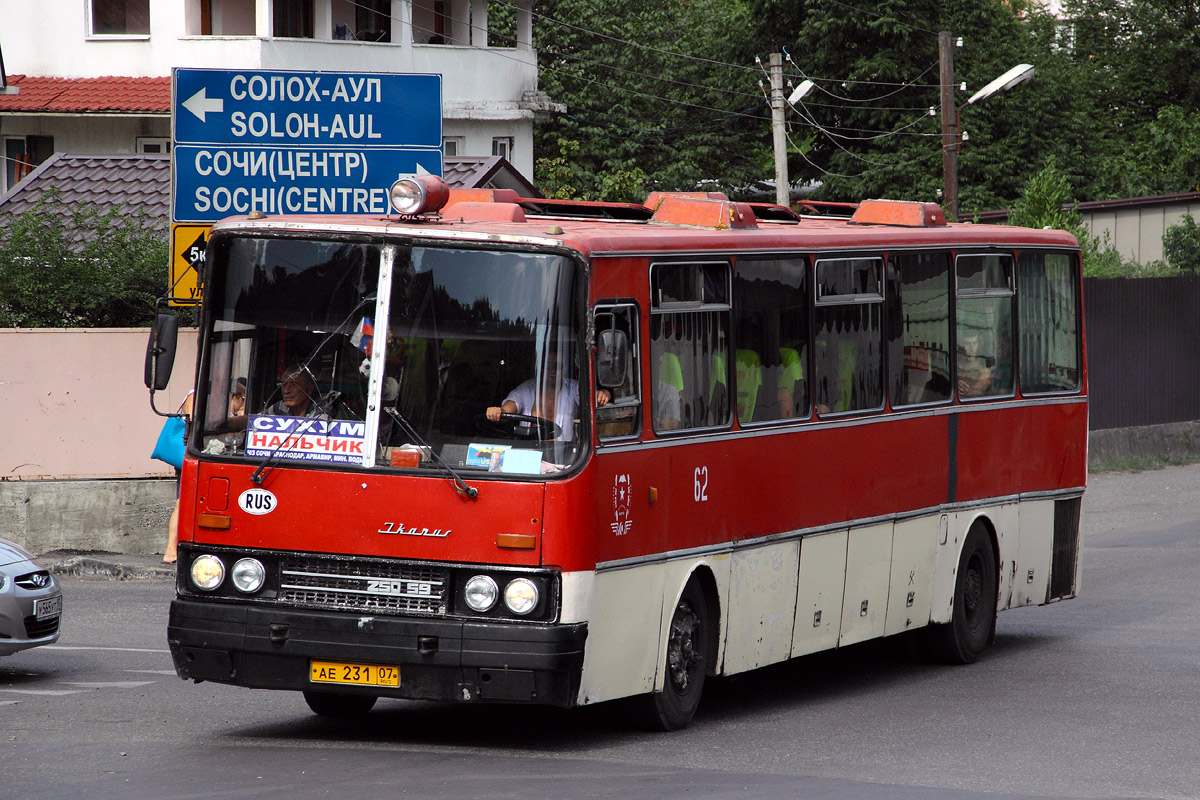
88,567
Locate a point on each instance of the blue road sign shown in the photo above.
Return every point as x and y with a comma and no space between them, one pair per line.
298,142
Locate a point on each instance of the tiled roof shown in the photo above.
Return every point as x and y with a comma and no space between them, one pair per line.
485,172
84,95
142,182
130,182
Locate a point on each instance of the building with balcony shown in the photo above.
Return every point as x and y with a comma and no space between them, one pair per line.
58,92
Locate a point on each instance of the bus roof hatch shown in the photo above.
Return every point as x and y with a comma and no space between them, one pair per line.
898,212
698,212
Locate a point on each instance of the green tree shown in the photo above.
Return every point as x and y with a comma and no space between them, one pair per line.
75,266
673,89
669,89
1137,70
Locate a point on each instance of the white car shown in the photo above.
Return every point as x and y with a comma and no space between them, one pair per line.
30,601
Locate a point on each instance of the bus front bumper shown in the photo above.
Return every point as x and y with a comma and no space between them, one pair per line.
273,648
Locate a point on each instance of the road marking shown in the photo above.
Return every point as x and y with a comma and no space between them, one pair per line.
10,702
170,672
47,692
108,684
118,649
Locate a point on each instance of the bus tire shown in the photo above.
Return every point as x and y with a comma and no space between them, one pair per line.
341,706
689,641
973,619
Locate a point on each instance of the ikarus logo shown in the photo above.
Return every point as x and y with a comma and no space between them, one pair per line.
257,501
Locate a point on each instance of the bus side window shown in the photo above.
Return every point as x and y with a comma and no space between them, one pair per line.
919,368
1049,322
849,325
689,345
621,417
984,325
770,325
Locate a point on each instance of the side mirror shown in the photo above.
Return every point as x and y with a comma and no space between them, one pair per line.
612,358
160,351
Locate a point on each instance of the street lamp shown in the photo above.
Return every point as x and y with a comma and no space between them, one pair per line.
950,132
800,91
1018,74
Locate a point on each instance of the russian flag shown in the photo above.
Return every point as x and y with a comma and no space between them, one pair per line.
363,335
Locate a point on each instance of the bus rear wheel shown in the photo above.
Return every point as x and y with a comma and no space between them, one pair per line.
688,643
341,706
963,639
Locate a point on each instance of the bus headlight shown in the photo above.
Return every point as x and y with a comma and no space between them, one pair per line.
248,575
481,593
418,194
521,596
207,572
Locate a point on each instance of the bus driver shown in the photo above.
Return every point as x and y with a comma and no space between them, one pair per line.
562,406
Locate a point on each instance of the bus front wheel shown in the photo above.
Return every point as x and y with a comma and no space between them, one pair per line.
343,706
963,639
688,644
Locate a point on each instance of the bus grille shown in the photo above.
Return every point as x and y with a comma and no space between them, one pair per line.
1066,548
378,587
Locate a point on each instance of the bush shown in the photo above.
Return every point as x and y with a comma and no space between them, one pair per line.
1181,245
74,266
562,177
1047,203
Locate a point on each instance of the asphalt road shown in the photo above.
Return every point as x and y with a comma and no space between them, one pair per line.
1092,698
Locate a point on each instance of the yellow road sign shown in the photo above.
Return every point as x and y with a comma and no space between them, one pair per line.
187,247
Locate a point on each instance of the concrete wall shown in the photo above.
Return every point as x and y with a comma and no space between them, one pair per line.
75,466
117,516
75,405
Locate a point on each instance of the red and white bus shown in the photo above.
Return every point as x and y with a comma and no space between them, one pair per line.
534,451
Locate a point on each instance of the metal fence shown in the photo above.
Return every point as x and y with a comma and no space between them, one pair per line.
1143,340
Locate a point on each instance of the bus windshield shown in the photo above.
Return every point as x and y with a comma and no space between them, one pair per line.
470,359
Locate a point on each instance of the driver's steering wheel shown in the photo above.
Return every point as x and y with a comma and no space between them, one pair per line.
539,427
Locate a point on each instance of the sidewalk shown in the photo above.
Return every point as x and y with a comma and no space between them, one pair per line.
101,565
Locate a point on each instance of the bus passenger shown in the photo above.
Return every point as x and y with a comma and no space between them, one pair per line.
974,373
666,406
561,406
668,393
237,399
791,382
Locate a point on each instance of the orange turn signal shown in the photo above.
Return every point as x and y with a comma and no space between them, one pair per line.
217,522
516,541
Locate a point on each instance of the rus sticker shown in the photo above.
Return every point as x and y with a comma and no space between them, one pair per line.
257,502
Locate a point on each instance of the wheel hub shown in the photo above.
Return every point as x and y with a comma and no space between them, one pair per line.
683,658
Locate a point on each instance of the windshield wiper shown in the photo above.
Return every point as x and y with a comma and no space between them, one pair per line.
263,469
324,405
460,485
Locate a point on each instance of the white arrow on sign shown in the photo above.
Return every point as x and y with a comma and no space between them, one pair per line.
199,104
420,171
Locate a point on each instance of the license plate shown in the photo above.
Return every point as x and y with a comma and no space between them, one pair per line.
355,674
48,607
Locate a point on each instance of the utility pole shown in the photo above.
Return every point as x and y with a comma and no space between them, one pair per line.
782,188
949,125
